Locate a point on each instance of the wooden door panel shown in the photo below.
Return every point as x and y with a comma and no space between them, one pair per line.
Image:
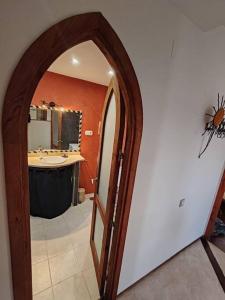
108,135
100,207
106,187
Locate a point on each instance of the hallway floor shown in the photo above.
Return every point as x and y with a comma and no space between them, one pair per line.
62,266
188,276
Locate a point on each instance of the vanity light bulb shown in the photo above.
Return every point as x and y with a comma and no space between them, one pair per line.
75,61
111,72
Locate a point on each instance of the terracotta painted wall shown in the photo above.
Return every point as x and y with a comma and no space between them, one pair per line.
78,95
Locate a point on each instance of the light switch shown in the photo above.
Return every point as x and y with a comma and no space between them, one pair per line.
88,132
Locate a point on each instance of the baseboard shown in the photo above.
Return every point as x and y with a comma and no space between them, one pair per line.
89,196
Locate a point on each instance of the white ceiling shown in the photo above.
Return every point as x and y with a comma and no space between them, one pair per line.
207,14
92,66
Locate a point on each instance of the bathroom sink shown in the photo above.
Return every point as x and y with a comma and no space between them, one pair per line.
53,160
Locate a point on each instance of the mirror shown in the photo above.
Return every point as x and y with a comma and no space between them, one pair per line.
54,129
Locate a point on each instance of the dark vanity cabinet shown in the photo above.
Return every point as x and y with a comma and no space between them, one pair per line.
53,185
51,190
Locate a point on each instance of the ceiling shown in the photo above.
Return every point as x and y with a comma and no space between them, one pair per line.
91,66
207,14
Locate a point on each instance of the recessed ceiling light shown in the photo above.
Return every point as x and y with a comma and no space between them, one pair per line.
111,72
75,61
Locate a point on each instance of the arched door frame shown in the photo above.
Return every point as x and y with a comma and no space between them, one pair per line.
26,76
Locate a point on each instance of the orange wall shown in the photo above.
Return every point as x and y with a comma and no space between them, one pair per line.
78,95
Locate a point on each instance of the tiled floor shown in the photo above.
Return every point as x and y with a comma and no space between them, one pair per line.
62,266
188,276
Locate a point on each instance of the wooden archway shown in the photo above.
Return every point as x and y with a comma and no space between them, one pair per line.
35,61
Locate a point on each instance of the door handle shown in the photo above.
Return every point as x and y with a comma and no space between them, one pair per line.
93,180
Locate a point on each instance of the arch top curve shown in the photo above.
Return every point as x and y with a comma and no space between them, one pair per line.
24,80
59,38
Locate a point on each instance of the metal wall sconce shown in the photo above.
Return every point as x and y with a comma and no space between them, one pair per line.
216,126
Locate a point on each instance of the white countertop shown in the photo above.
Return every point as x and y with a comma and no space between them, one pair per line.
38,163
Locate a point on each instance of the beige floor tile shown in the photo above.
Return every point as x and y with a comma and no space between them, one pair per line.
37,232
58,245
86,207
80,236
74,220
63,266
56,229
45,295
127,295
73,288
53,221
84,257
87,221
40,277
68,250
38,251
35,221
91,282
73,212
35,227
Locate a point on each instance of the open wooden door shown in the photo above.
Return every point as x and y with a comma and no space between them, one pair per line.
216,207
109,161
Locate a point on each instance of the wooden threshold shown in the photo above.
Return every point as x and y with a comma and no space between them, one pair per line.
214,263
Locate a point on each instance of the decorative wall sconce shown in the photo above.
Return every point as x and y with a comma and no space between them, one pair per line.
49,105
216,126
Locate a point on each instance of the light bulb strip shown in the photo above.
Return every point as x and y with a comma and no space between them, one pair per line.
64,110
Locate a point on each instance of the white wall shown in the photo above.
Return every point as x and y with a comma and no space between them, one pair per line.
158,228
176,91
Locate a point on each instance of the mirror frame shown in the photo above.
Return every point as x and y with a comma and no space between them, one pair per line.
64,110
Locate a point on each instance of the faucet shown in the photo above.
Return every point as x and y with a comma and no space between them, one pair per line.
40,149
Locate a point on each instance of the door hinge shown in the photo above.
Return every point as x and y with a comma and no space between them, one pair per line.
112,223
121,155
